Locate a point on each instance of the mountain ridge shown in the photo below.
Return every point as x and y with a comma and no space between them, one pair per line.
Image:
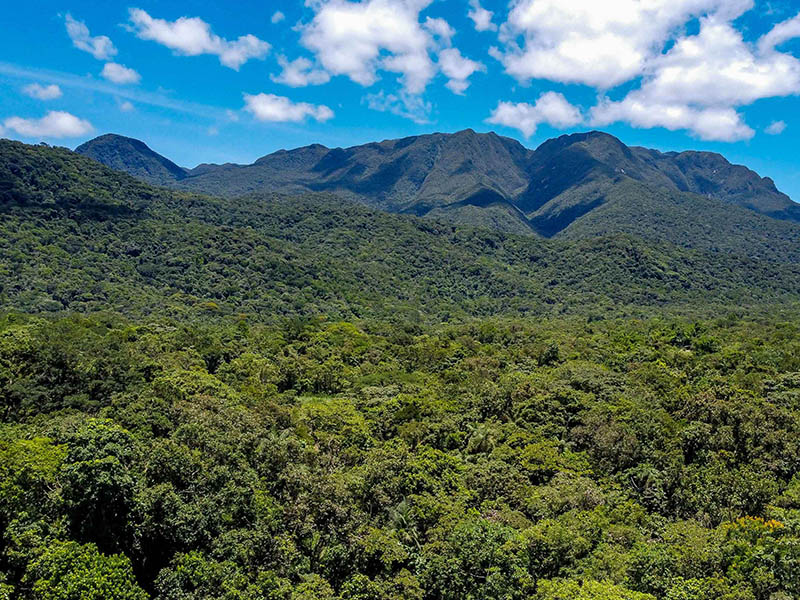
119,244
483,178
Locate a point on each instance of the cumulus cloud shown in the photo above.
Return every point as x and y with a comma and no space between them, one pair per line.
601,44
357,39
277,17
362,39
782,32
300,72
55,124
440,29
776,128
698,84
127,106
191,36
42,92
457,69
694,82
481,17
100,46
716,67
121,74
269,107
712,124
551,108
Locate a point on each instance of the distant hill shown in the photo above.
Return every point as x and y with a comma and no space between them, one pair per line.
81,237
449,175
574,186
133,157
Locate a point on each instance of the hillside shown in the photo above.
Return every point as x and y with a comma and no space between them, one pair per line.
319,460
134,157
298,397
633,208
482,179
135,249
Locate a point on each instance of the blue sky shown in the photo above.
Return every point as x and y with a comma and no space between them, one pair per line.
213,82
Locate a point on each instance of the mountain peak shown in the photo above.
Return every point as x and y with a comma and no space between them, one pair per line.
134,157
466,175
588,138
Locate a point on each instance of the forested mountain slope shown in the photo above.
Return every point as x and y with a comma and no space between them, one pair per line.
79,236
480,179
134,157
295,397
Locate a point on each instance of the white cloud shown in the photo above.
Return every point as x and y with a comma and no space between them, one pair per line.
127,106
269,107
55,124
300,72
716,67
687,82
714,124
781,33
481,17
457,69
42,92
121,74
277,17
551,108
100,46
601,44
191,36
361,39
698,84
408,106
440,29
776,128
358,39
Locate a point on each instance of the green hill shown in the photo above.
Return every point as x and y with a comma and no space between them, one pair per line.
299,397
132,156
78,236
475,178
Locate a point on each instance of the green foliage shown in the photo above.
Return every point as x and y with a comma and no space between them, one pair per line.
70,571
78,237
187,451
98,485
28,475
587,590
318,459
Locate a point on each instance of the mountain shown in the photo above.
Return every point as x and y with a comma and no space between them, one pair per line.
133,157
575,186
473,178
575,174
79,236
300,397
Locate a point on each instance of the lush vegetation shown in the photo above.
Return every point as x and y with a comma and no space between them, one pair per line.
497,460
661,215
276,398
76,236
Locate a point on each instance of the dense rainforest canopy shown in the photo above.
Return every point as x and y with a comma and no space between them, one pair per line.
497,459
298,398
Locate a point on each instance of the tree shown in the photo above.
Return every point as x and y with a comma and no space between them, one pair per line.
71,571
99,486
